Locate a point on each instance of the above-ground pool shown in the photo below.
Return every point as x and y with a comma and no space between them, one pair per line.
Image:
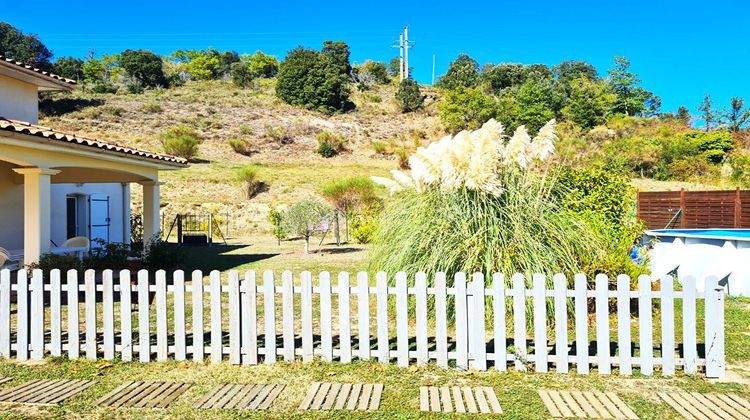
724,253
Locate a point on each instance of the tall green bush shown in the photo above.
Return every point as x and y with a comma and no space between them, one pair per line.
181,140
466,108
408,96
143,66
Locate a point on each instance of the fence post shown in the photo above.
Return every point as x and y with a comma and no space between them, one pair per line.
5,313
108,315
420,286
144,321
126,335
198,330
645,330
689,325
561,322
462,321
667,326
402,321
384,354
180,350
250,317
683,201
74,344
602,324
22,316
540,322
519,321
217,346
737,209
89,280
326,330
441,321
363,313
37,315
581,323
287,301
714,297
234,318
55,314
479,350
624,338
307,310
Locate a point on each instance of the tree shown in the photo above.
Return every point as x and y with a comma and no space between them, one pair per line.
462,72
338,53
570,70
261,65
68,67
408,96
369,74
589,102
394,67
466,108
241,74
26,48
276,217
199,64
348,195
631,98
143,66
99,73
708,114
736,117
304,218
683,114
226,59
535,103
502,76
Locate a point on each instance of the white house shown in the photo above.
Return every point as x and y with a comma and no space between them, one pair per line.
53,185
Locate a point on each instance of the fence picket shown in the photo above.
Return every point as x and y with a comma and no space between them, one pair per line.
269,316
363,315
561,322
461,321
161,316
402,321
420,287
714,328
5,313
498,310
217,335
287,301
250,319
689,326
307,315
89,279
326,344
126,333
55,313
623,324
345,336
382,317
144,332
645,331
180,346
74,344
37,318
667,326
234,318
519,321
540,322
108,314
601,292
197,307
441,321
581,324
22,316
479,350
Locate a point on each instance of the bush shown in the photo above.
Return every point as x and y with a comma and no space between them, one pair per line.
463,72
278,134
241,75
408,96
249,175
365,225
351,194
304,218
262,65
692,168
466,108
152,108
276,217
243,146
160,255
180,140
143,66
369,74
330,144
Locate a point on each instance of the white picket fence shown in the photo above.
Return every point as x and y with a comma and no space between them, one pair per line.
475,337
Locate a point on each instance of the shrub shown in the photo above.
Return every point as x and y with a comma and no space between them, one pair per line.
243,146
691,168
152,108
161,255
49,262
330,144
262,65
278,134
249,175
408,96
181,140
241,75
143,66
350,194
379,147
463,72
369,74
199,64
304,218
465,108
365,225
276,217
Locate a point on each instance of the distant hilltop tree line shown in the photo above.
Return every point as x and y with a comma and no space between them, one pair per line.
322,80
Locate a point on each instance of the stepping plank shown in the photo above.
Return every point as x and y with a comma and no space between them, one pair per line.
240,397
4,380
693,405
460,400
326,396
144,395
44,392
593,405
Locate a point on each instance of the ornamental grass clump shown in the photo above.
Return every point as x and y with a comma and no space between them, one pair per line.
481,201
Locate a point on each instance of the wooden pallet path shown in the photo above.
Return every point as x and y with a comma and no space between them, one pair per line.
592,405
693,405
240,397
4,380
335,396
44,391
144,395
455,399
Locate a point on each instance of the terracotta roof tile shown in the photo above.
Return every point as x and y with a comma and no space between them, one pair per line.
23,127
5,59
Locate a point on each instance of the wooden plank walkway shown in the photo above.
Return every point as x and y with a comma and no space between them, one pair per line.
240,397
455,399
144,395
693,405
44,391
336,396
592,405
4,380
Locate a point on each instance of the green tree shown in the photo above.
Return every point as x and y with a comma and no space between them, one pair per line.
241,74
276,217
408,96
100,73
589,102
570,70
143,66
26,48
736,116
462,72
261,65
226,59
338,53
708,113
683,114
68,67
631,98
535,103
199,64
503,76
466,108
349,195
304,218
370,73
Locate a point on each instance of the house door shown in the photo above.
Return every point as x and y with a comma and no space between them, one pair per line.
98,219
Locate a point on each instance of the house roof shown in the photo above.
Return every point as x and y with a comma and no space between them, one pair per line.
22,127
44,79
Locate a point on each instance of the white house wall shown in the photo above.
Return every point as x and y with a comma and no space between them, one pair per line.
59,208
19,100
11,209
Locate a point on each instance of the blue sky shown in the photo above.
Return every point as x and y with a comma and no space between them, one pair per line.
680,49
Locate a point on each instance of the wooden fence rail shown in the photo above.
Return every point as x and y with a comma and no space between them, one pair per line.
488,328
694,209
